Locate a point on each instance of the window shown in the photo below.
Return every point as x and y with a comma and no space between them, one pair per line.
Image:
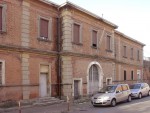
45,32
119,89
125,87
76,33
131,53
2,72
2,18
132,75
125,77
94,38
125,51
138,55
108,81
108,43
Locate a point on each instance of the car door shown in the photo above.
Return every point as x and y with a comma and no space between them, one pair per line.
146,87
125,92
119,94
143,89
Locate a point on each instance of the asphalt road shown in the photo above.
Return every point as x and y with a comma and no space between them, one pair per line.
136,106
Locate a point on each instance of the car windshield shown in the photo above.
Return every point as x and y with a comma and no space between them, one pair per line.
135,86
108,89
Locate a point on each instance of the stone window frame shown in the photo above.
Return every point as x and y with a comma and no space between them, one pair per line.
50,33
94,29
80,38
3,72
4,9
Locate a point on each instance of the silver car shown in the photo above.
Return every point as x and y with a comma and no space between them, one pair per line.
140,89
111,95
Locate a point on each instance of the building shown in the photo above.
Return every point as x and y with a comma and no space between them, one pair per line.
129,58
61,50
146,70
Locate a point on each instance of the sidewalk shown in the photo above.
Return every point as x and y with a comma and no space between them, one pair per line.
56,108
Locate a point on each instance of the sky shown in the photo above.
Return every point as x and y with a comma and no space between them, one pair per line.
132,16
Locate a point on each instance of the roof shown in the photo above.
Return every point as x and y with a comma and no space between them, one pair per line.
50,3
80,9
88,12
129,38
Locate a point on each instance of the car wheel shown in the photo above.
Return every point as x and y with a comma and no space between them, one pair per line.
148,93
140,96
113,102
129,98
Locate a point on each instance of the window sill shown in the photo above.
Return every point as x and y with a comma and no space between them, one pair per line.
93,47
79,44
108,50
2,32
44,40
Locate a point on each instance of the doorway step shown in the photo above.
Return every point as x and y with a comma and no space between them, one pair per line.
47,101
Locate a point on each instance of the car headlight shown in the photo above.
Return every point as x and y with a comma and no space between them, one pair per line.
105,98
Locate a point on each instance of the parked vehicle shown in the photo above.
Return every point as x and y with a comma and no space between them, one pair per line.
139,89
112,94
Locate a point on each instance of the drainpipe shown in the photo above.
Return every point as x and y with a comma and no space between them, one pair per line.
59,57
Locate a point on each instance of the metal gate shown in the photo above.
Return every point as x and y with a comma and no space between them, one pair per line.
93,80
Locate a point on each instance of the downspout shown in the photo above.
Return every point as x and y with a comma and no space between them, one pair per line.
59,57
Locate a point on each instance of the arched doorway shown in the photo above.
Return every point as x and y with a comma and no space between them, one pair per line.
95,78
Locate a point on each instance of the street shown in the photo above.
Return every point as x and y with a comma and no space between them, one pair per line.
136,106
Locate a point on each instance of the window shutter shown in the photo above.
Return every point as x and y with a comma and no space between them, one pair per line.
4,7
108,42
124,50
111,43
0,72
76,33
94,36
44,28
0,18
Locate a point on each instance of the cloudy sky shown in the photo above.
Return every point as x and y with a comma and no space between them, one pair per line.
132,16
